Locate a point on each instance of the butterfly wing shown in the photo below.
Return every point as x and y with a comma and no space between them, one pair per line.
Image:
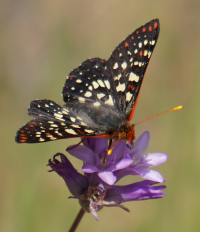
52,122
128,62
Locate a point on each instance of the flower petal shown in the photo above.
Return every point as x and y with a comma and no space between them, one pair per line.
89,168
118,152
154,159
107,177
75,182
121,164
83,153
140,146
150,174
97,145
137,191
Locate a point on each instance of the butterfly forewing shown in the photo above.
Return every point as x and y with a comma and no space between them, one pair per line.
89,83
128,63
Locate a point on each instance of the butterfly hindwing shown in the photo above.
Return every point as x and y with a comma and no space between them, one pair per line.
52,122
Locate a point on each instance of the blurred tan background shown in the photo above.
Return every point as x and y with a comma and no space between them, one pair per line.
40,43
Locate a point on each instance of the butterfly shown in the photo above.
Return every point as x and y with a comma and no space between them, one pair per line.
100,95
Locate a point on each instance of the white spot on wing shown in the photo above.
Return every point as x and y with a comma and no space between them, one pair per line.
133,77
140,44
120,87
100,95
75,126
71,131
100,83
89,131
54,125
149,54
95,84
78,81
107,84
72,119
88,94
58,115
96,104
41,140
109,101
81,99
124,65
64,111
115,66
145,52
146,42
83,124
118,77
135,51
152,42
128,96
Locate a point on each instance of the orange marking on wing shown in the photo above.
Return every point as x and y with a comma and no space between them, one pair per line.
141,53
102,61
155,25
126,44
118,49
144,29
91,60
132,37
131,87
137,32
150,28
47,133
80,132
22,135
31,125
100,136
22,140
70,79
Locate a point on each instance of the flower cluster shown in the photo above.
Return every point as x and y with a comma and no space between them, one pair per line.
96,188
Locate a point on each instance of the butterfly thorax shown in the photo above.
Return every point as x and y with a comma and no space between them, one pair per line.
126,132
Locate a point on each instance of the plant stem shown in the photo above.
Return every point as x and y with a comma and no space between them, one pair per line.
77,220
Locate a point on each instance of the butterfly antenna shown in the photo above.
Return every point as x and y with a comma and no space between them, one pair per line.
174,109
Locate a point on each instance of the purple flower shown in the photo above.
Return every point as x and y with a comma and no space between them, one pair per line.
121,162
96,188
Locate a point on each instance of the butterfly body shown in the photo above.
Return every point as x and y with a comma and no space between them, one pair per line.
100,95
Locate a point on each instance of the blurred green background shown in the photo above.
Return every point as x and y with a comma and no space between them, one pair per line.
40,43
